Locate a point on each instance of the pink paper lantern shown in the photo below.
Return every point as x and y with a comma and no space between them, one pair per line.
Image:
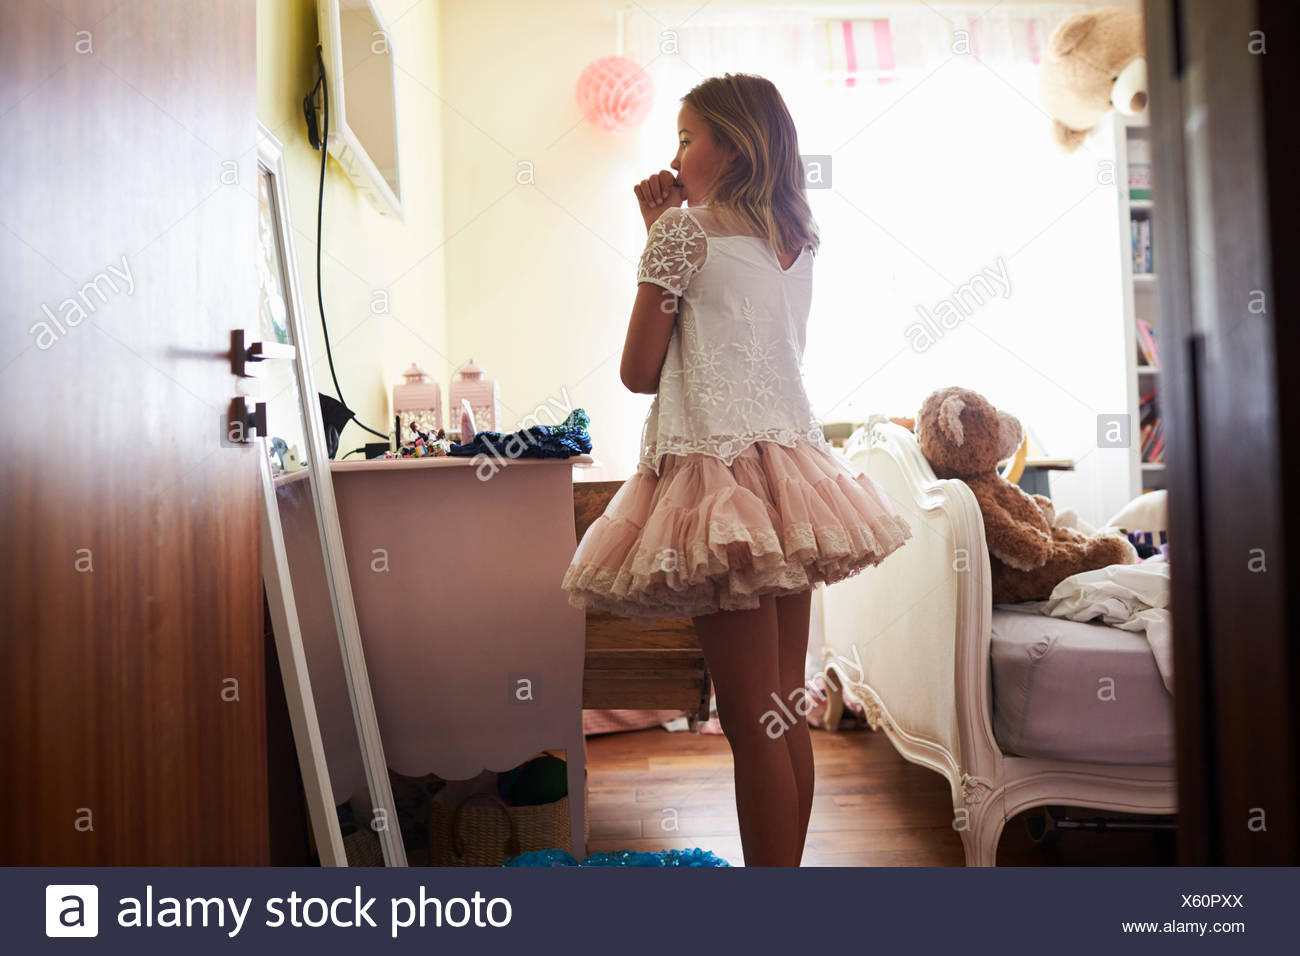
614,93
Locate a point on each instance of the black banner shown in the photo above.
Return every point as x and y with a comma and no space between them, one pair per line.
640,910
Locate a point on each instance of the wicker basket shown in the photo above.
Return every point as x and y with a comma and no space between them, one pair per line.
362,847
483,830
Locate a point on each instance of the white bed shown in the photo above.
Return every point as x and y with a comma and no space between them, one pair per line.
911,641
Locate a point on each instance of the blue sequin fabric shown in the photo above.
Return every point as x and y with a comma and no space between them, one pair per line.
564,440
693,857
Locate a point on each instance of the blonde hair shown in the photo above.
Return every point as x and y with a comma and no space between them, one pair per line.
764,187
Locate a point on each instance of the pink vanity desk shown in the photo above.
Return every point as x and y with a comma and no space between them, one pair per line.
456,565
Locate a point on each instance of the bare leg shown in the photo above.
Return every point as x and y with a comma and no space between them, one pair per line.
741,648
793,611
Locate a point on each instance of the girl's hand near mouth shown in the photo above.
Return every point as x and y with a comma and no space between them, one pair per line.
659,192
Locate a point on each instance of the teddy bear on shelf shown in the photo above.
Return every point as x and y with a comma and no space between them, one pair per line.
964,436
1094,60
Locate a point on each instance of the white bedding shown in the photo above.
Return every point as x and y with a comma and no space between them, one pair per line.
1131,597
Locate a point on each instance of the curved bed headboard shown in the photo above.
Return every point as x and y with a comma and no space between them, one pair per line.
910,636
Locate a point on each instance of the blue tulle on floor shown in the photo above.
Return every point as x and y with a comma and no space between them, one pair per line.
695,857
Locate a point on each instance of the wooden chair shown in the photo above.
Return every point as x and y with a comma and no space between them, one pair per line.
631,666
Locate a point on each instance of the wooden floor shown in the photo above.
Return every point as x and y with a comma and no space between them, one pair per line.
655,790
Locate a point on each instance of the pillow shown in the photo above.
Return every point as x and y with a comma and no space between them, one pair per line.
1146,512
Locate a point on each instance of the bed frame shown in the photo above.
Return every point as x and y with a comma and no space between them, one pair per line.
909,641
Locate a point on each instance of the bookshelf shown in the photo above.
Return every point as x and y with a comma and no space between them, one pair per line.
1138,251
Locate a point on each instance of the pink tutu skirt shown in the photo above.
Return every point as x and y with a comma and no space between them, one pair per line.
704,536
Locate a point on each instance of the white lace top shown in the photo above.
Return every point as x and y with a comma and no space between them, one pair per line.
733,372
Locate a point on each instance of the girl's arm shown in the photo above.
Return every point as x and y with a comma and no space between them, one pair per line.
655,310
648,332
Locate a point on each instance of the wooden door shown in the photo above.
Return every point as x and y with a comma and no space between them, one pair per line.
1223,94
132,722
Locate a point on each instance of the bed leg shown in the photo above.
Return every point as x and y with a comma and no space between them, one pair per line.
981,833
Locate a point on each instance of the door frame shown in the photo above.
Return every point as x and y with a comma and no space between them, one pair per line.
1223,142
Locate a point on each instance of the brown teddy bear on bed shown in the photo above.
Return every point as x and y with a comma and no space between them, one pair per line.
965,437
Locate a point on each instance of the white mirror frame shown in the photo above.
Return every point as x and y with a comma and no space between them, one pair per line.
343,143
270,156
324,818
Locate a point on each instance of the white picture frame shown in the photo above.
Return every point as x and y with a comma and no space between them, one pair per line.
307,739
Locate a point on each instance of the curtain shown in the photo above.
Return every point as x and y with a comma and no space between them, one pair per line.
871,44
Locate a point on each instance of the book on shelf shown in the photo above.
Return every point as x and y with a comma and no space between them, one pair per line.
1158,450
1140,233
1152,436
1147,349
1151,433
1154,453
1139,167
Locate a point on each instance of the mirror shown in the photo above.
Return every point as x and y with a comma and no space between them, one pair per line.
362,97
327,687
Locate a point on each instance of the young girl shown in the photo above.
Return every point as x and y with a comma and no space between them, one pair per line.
738,505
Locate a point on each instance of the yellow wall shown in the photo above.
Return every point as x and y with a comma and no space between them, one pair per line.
365,253
542,264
